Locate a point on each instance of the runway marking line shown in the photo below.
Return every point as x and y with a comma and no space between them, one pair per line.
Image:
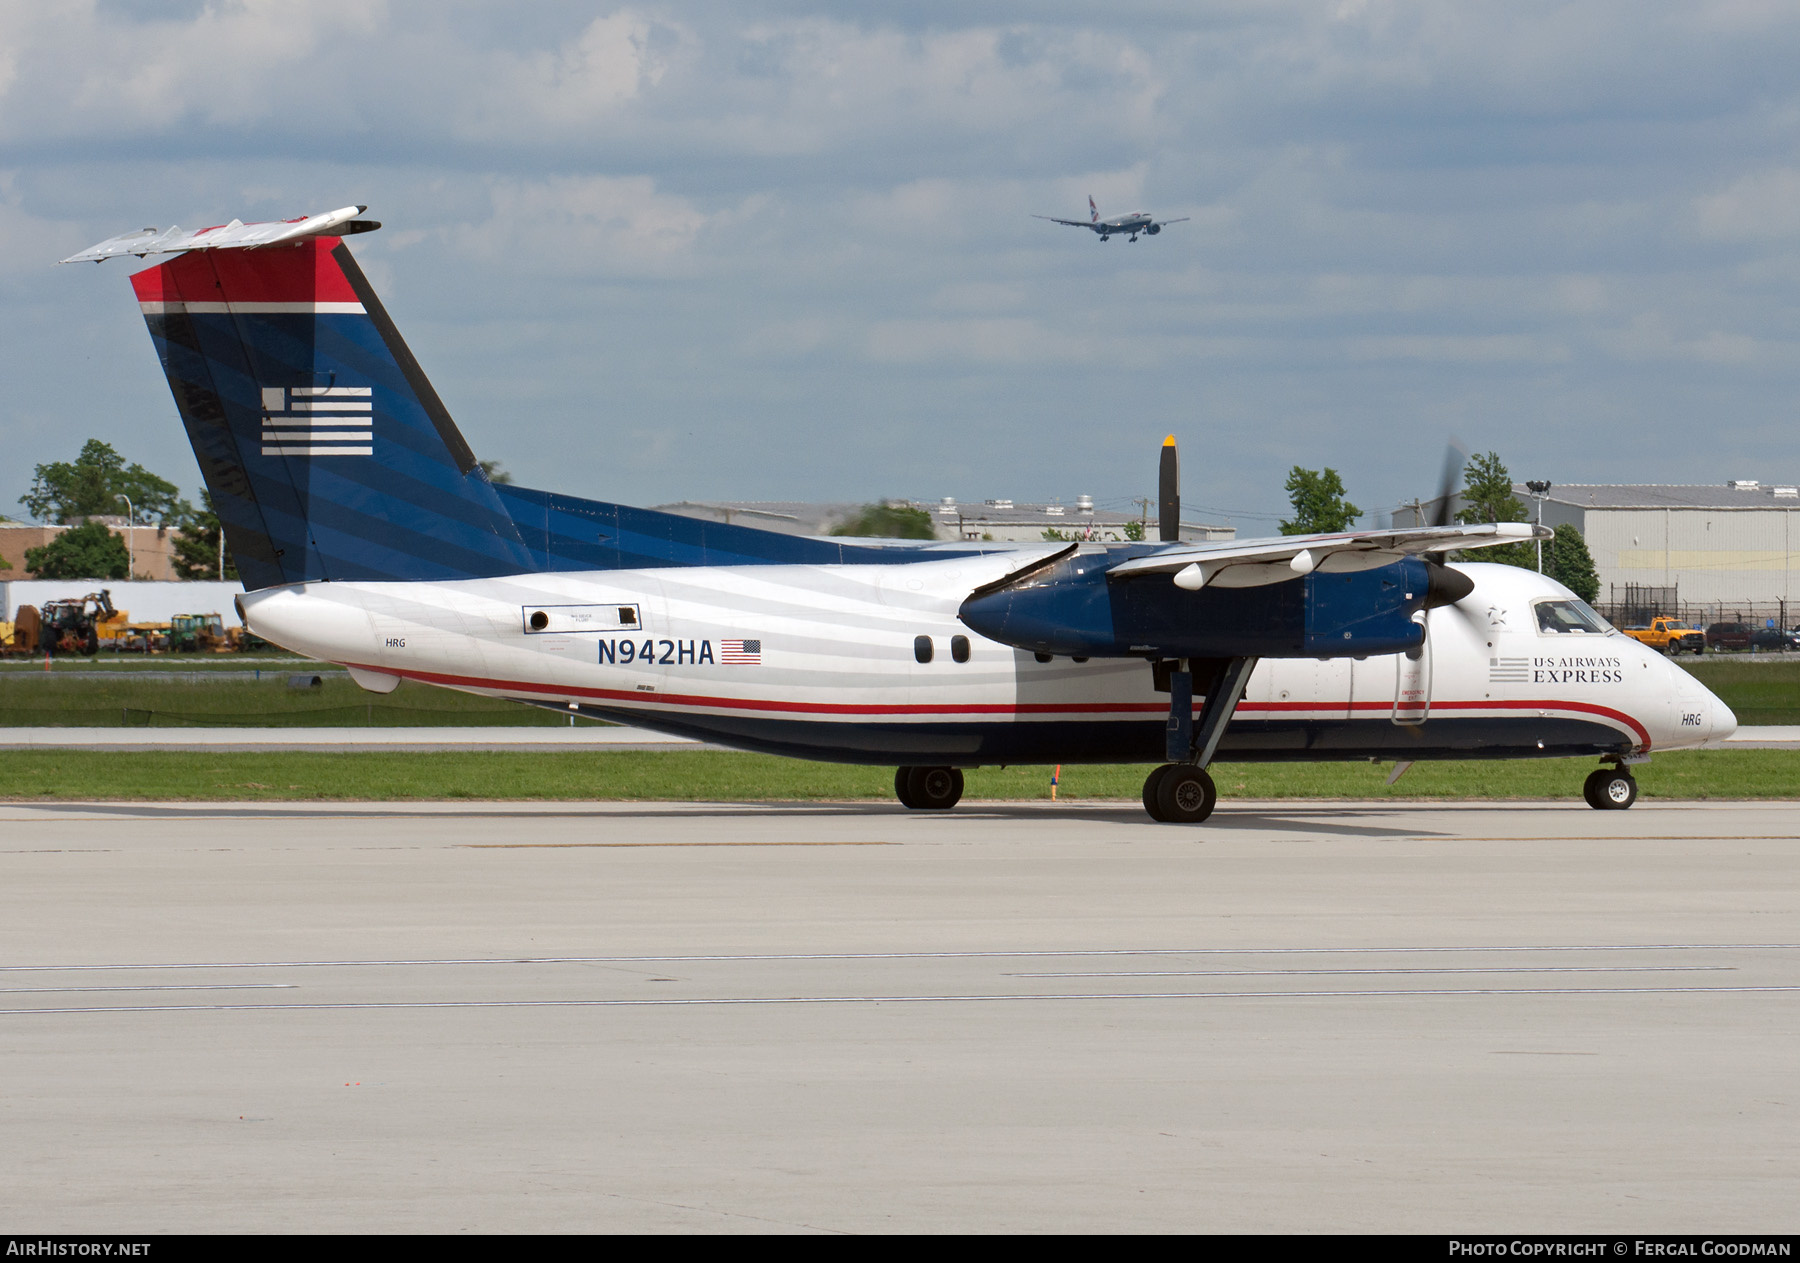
561,846
899,999
1022,954
1325,973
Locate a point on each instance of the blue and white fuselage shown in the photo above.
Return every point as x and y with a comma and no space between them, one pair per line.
837,673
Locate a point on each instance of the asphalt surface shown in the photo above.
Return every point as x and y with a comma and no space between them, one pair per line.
693,1017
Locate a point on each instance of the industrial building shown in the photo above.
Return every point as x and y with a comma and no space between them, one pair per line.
998,520
151,547
1694,549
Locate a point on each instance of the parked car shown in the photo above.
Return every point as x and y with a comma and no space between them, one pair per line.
1774,640
1728,636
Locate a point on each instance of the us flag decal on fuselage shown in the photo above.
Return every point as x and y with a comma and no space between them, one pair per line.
318,421
743,653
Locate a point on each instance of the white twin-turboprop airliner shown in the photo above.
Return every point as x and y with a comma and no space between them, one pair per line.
367,535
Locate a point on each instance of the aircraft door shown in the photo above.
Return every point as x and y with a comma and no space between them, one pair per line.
1412,685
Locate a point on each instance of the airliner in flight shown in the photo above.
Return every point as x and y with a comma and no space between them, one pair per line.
367,534
1128,226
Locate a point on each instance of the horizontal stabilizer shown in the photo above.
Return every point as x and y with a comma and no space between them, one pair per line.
233,236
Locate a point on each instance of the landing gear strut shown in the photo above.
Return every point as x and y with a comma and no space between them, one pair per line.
1610,789
928,788
1181,791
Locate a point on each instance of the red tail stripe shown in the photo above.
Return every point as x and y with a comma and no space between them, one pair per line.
301,273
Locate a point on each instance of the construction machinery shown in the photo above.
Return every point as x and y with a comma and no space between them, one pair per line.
198,633
71,625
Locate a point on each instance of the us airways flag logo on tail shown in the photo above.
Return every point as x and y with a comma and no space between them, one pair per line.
743,653
318,421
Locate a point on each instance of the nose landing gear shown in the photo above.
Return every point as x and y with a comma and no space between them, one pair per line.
1610,789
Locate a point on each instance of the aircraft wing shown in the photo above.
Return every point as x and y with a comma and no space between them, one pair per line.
1256,562
1073,223
1182,220
235,235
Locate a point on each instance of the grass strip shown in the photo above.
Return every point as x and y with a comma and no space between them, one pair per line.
116,700
703,775
1758,692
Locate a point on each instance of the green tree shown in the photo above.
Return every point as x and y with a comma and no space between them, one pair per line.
1488,497
91,484
1568,561
89,551
495,471
888,521
1319,504
196,543
1488,493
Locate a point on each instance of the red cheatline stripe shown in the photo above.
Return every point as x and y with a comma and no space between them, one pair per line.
993,708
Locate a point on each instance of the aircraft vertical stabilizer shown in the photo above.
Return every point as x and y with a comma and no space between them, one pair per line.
327,452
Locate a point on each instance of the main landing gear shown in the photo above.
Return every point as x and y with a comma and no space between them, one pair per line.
1610,789
1181,791
928,788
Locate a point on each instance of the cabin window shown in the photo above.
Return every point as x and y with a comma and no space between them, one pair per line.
922,648
959,648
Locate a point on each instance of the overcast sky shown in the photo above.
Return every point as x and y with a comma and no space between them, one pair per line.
785,250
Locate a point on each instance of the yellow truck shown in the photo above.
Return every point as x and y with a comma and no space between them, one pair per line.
1670,636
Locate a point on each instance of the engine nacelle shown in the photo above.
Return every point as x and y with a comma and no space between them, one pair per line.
1072,608
1153,229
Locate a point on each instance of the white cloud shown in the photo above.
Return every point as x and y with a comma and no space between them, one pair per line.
1762,206
579,225
576,85
79,71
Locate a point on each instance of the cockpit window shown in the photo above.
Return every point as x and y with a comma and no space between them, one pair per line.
1557,617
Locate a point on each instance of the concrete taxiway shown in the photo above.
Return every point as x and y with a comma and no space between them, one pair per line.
571,1017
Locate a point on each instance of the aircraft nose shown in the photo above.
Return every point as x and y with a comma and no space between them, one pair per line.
1724,723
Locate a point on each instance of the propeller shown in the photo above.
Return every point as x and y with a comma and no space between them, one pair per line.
1446,586
1168,494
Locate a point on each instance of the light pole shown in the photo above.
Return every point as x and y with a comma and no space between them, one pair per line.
130,535
1540,491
